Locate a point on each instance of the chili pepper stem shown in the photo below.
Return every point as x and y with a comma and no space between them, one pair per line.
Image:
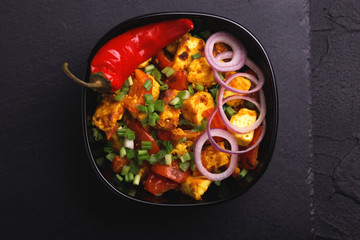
98,82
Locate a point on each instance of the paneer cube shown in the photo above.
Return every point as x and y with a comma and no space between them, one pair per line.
195,187
187,47
194,106
200,72
169,119
240,83
244,118
213,159
107,113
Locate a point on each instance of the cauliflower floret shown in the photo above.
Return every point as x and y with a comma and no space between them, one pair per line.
194,106
213,159
169,119
195,187
244,118
107,113
200,72
188,46
240,83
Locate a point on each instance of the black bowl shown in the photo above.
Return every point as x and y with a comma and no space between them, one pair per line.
230,187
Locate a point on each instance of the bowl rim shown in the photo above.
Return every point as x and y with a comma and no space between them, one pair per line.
180,14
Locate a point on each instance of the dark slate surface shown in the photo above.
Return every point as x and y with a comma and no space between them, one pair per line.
335,62
48,188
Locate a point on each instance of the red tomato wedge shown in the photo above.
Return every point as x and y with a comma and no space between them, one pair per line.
157,184
249,160
164,135
142,135
162,60
178,81
216,121
172,171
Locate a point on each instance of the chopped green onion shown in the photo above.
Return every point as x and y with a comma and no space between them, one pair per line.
186,156
191,90
230,111
142,152
168,71
159,105
149,98
118,177
195,56
146,145
175,101
250,105
130,154
125,170
142,108
193,167
129,143
121,131
129,134
108,149
122,152
149,68
249,177
141,158
214,92
183,140
179,105
220,75
134,167
164,87
184,166
125,89
153,117
243,173
96,134
130,176
168,146
130,80
192,155
183,94
137,179
217,183
144,121
126,178
168,159
148,84
119,96
153,159
150,108
110,156
199,87
157,75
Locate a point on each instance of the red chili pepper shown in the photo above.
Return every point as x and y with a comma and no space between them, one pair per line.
142,135
118,58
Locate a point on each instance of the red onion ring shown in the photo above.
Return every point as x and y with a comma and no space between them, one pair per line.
217,147
226,121
259,83
239,52
233,160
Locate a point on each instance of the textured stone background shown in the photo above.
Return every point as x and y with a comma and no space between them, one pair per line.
310,190
335,85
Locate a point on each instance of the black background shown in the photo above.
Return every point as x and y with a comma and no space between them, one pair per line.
48,189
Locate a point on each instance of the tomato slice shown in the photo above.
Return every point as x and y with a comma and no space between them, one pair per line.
157,184
172,171
142,135
118,163
216,122
249,160
164,135
178,81
162,60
